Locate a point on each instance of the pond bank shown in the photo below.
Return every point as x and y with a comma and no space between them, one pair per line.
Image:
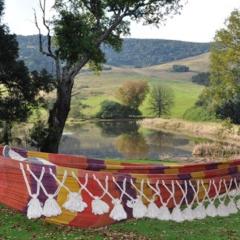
210,130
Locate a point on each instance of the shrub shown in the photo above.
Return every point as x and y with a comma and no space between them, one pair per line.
76,110
202,78
198,114
180,68
114,110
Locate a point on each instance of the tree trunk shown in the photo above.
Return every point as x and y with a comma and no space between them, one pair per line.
58,115
7,132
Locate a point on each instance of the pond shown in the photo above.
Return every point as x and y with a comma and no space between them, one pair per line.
124,140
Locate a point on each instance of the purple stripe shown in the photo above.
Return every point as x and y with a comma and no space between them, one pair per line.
48,181
184,176
211,166
129,190
22,152
156,170
95,165
232,170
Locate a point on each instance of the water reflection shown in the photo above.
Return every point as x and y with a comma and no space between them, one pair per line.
123,140
114,129
132,146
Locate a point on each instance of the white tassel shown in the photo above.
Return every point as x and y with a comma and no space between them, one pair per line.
118,213
232,207
222,210
139,209
164,213
238,203
99,207
75,202
199,212
152,210
51,207
233,193
188,214
34,208
211,210
177,215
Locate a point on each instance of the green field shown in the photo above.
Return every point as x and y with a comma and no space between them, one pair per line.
15,226
93,89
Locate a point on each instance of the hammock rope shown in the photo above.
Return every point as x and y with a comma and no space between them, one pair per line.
209,198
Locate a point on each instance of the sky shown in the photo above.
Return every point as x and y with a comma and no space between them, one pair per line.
198,21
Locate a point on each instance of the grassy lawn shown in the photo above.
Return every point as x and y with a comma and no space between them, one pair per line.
103,87
16,226
185,92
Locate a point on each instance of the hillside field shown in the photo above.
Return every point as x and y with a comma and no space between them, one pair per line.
95,88
134,52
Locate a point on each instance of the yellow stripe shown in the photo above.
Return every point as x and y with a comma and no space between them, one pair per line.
222,166
38,155
171,171
66,215
198,175
114,167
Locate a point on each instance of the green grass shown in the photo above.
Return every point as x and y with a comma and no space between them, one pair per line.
208,229
104,86
185,96
14,225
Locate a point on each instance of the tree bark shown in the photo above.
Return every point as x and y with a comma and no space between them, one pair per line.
58,115
7,132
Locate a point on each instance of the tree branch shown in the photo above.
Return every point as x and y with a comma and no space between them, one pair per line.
49,37
49,52
39,34
75,70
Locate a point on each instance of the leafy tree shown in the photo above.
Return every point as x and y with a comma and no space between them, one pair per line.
223,94
132,93
230,108
161,99
18,88
80,27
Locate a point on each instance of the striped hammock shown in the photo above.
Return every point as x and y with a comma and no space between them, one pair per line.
83,192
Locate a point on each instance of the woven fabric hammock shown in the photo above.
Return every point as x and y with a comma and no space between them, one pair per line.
83,192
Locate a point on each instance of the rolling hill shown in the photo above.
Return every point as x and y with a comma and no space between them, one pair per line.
135,52
98,88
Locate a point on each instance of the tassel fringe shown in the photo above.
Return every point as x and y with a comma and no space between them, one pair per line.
218,198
